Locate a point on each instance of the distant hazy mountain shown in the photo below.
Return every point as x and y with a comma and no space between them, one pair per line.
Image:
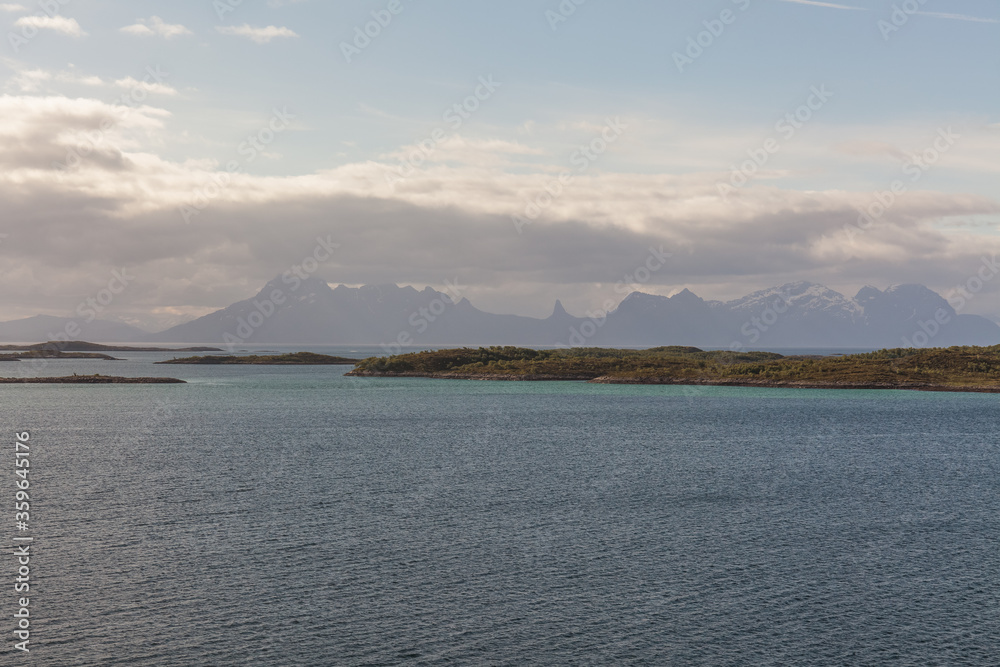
43,328
310,312
801,314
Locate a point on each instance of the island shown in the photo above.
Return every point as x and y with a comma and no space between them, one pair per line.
91,379
938,369
293,359
83,346
56,354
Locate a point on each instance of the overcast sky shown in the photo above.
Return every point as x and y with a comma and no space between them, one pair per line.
205,146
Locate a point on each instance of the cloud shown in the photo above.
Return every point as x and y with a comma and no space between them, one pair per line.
12,7
450,218
259,35
39,132
38,80
156,26
457,149
34,80
958,17
829,5
871,149
30,81
61,24
147,86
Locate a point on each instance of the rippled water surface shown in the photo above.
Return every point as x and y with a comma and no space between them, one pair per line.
292,516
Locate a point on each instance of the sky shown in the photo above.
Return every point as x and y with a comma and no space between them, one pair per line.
525,150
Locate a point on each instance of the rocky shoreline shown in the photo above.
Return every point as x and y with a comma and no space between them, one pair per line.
798,384
690,382
492,377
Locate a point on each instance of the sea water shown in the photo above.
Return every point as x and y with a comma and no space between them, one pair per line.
271,515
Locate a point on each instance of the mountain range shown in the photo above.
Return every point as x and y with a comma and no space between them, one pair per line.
310,312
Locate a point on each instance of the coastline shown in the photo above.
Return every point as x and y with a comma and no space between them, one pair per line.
689,382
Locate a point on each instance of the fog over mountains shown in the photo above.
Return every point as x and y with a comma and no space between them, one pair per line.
310,312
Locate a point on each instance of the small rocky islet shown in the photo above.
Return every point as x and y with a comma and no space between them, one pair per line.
293,359
91,379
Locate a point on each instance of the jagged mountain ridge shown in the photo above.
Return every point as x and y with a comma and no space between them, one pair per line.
799,314
313,313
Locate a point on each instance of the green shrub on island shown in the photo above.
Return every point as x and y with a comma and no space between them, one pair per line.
954,367
296,358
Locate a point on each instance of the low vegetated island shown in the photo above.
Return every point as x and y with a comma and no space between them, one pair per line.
56,354
294,359
55,346
91,379
939,369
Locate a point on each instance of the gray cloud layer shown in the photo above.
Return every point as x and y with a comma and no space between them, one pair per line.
120,207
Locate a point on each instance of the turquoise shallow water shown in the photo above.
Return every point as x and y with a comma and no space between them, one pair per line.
292,516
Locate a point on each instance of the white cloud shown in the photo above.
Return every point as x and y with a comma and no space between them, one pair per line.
57,23
829,5
30,81
871,148
12,7
147,86
259,35
156,26
471,153
37,80
958,17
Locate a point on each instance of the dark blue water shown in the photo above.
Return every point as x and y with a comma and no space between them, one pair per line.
290,516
